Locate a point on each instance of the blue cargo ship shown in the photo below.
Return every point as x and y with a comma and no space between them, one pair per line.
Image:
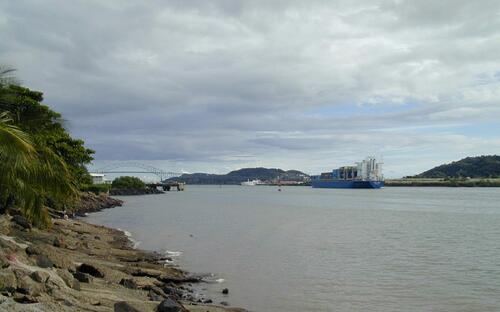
366,174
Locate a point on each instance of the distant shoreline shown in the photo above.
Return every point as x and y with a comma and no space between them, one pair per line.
452,182
401,183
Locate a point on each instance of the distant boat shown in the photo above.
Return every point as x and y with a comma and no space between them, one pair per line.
251,183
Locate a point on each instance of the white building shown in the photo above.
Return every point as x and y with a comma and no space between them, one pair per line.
99,178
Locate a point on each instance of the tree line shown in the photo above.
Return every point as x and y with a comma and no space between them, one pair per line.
41,164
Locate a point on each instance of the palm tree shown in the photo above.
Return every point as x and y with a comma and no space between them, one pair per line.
30,173
16,154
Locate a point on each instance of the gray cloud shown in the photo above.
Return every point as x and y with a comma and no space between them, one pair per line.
294,84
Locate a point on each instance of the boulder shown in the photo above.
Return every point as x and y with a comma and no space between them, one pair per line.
44,262
25,299
153,296
40,276
68,279
123,306
90,269
65,276
169,305
21,221
8,281
58,242
129,283
225,291
82,277
28,286
173,291
32,250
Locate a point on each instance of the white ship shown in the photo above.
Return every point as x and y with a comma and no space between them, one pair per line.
251,183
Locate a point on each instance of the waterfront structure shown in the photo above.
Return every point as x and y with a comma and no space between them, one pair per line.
251,183
365,174
99,178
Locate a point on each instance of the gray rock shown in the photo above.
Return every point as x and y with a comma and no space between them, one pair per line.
172,291
90,269
8,281
44,262
123,306
153,296
68,279
224,303
169,305
82,277
25,299
21,221
32,250
157,290
58,242
40,276
29,287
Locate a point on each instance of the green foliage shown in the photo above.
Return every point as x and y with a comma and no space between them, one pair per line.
29,175
40,163
451,182
473,167
96,188
128,183
46,128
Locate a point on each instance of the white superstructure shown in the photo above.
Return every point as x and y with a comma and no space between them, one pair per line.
251,183
370,170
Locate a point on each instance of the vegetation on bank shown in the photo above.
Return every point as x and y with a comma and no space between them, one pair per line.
96,188
481,167
450,182
128,183
41,165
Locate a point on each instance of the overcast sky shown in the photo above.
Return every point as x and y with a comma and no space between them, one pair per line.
311,85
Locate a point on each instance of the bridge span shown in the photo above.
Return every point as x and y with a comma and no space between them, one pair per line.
140,168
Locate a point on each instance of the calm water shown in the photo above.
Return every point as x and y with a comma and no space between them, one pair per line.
303,249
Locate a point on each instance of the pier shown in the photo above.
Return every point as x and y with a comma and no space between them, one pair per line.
168,185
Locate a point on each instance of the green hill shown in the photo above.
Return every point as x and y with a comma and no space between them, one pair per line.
238,176
473,167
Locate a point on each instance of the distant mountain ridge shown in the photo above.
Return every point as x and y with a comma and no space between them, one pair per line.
473,167
241,175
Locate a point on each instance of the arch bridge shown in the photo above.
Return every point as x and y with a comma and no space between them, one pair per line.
140,169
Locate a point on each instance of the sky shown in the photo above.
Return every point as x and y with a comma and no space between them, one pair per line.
212,86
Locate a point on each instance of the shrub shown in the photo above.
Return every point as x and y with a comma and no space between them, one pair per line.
96,188
128,183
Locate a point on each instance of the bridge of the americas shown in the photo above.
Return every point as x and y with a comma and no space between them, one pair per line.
165,177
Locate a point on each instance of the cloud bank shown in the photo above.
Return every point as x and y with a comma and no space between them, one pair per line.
218,85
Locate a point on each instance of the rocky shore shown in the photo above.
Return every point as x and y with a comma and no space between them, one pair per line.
76,266
144,191
90,202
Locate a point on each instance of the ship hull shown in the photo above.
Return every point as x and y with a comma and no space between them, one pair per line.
347,184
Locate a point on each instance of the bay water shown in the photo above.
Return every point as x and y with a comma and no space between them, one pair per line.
304,249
